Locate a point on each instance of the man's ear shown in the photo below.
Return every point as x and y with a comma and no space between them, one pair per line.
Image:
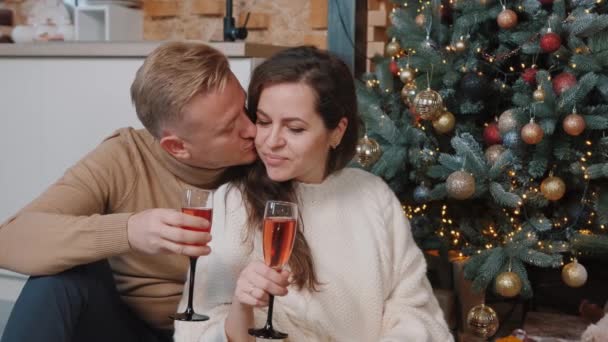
175,147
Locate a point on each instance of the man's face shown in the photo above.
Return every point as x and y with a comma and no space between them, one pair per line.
216,130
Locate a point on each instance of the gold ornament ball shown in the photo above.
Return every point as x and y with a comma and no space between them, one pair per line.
553,188
420,19
428,104
444,123
508,284
493,153
460,185
460,45
574,274
506,122
482,321
368,151
532,133
507,19
539,94
574,124
407,75
393,47
408,93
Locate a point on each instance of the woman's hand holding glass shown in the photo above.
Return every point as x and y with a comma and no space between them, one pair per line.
257,281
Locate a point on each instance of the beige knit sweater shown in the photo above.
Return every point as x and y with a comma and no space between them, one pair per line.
375,286
83,218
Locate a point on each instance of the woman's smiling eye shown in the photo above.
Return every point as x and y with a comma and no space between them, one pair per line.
296,129
262,122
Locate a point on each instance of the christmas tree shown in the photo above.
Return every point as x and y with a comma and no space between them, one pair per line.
488,119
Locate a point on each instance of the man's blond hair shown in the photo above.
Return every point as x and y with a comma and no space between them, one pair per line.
171,76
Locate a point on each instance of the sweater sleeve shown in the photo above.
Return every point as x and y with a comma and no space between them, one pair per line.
70,223
411,311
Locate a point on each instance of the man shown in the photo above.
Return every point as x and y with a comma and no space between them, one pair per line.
110,206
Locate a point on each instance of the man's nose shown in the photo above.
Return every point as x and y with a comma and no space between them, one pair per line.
249,130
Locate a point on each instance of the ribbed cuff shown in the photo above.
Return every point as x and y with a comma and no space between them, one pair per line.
111,237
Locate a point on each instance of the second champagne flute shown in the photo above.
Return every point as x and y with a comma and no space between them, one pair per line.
278,237
199,203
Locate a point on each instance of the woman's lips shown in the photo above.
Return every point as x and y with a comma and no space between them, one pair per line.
273,159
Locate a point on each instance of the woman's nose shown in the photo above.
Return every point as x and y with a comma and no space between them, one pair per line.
275,138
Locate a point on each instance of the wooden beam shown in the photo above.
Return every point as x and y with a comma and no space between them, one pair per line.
161,8
318,14
318,40
212,8
257,21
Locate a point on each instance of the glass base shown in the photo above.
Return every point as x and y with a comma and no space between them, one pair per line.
189,317
269,334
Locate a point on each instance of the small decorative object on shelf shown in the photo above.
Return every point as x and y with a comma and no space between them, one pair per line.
482,321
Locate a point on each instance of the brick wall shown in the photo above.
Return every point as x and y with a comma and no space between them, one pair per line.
278,22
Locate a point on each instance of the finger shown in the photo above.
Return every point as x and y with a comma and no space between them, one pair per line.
178,219
268,285
272,275
259,294
246,298
187,250
185,236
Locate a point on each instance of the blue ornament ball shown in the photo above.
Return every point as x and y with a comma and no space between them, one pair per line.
511,139
421,193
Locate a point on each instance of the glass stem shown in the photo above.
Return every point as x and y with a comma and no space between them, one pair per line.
268,325
189,309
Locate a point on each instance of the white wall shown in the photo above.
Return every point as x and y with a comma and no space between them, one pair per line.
54,110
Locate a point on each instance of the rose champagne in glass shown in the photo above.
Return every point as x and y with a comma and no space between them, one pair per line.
279,234
199,203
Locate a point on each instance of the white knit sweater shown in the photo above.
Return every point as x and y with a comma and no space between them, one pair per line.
375,286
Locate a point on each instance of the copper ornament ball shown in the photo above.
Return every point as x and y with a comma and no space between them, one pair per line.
553,188
460,185
532,133
574,124
507,19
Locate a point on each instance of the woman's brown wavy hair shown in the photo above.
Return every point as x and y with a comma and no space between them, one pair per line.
331,81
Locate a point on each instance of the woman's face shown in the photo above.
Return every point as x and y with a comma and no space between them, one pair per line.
292,140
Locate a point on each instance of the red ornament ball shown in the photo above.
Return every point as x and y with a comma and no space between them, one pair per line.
393,67
550,42
529,75
491,134
563,82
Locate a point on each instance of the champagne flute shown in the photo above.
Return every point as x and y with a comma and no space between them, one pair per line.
278,237
199,203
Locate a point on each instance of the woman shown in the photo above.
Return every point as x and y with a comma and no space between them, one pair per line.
355,272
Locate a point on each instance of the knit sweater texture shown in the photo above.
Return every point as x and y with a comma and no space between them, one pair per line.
83,217
374,276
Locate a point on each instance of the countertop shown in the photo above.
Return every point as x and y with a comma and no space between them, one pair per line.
124,49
